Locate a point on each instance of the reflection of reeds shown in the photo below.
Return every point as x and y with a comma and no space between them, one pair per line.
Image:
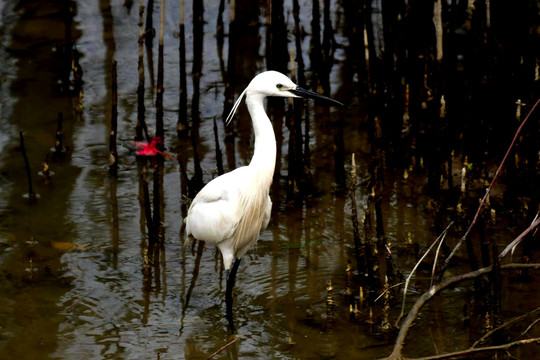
330,303
113,153
153,252
194,277
385,323
59,149
154,216
114,221
157,199
358,245
148,210
339,153
31,193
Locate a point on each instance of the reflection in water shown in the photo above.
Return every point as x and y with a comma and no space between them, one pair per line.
114,222
194,276
86,273
33,236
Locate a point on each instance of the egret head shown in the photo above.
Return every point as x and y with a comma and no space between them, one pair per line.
273,83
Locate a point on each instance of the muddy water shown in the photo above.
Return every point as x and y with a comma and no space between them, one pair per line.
76,280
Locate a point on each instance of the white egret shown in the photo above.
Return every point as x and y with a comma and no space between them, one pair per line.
232,209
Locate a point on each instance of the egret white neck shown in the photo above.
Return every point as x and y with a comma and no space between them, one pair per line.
264,155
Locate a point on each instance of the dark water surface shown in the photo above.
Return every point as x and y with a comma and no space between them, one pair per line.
76,278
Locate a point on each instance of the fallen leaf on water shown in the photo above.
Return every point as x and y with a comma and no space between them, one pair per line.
150,149
63,245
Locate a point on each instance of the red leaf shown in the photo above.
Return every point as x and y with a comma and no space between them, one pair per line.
150,149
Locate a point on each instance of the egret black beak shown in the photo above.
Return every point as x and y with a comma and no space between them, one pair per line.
313,95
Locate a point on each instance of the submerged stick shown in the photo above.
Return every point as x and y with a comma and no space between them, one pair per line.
31,193
235,339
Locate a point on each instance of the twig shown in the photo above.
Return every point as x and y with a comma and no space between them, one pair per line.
432,291
517,240
489,333
488,190
386,290
440,238
224,347
436,257
469,352
530,326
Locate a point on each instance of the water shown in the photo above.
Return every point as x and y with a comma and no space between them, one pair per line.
76,280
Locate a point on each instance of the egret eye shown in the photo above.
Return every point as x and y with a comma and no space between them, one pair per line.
280,86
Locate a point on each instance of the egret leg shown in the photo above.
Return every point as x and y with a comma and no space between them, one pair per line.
231,279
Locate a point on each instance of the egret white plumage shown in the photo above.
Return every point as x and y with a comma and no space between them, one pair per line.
232,209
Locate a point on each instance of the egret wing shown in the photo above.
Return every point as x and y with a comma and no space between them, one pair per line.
267,213
215,212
